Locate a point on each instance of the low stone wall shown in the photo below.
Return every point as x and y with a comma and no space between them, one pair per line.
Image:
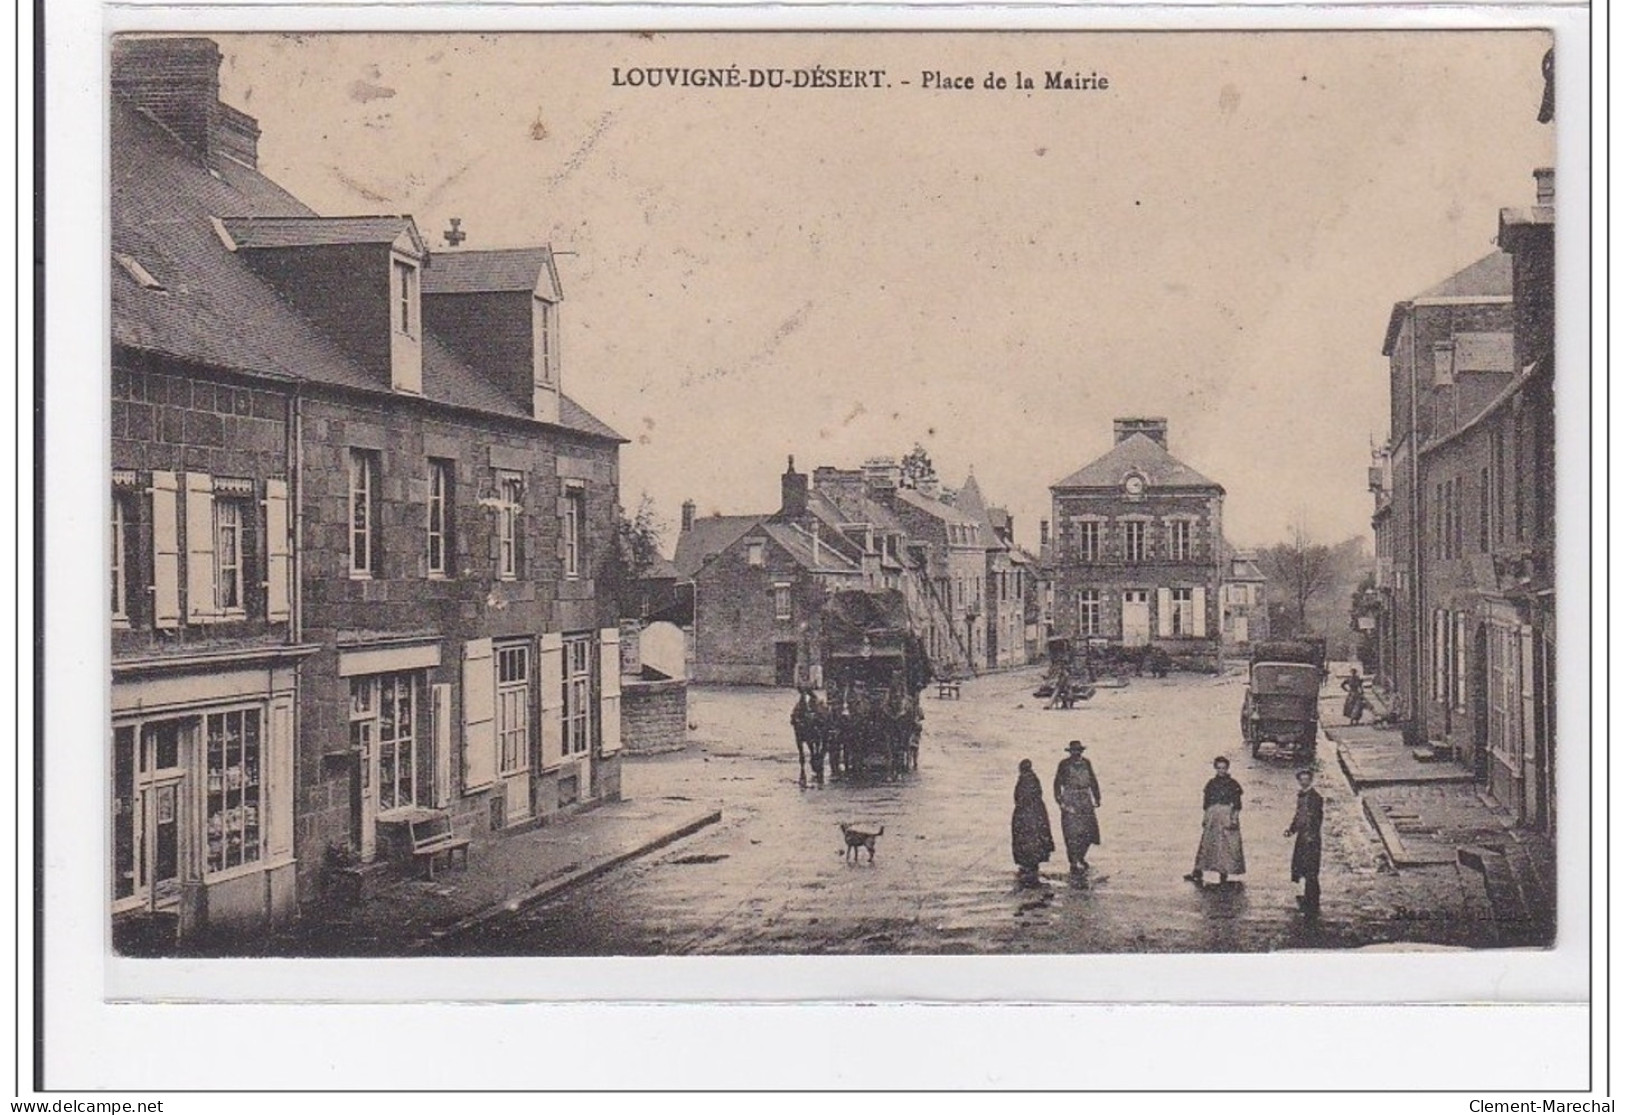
654,715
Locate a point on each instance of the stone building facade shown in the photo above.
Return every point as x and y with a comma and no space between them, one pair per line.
759,588
1006,581
1465,516
1244,609
355,537
1137,547
760,580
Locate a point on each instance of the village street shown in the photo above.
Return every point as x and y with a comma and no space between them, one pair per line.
772,877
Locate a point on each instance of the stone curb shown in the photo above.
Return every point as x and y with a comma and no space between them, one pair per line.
1394,843
542,891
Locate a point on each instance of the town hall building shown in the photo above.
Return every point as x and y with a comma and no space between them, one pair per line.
1137,547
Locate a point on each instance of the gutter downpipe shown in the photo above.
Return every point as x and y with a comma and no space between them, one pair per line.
1417,717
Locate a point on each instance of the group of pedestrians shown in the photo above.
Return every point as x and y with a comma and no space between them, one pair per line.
1077,793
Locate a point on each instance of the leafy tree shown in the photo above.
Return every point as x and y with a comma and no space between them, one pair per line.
635,554
639,537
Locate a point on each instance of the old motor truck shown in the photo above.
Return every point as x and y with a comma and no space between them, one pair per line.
1282,703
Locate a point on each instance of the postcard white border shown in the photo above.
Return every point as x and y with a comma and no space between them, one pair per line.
113,1044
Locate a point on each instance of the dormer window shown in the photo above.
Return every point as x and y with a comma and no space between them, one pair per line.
406,297
547,340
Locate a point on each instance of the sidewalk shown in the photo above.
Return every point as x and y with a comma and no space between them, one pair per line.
412,915
1432,813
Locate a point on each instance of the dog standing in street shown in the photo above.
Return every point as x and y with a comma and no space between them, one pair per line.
860,838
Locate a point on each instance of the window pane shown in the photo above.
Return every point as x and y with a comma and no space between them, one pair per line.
251,785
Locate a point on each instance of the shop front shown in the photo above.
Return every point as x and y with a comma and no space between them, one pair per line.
201,809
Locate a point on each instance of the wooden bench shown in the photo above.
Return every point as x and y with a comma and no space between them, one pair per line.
433,835
948,687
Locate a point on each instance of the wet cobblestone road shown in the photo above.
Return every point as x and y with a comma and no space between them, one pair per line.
773,878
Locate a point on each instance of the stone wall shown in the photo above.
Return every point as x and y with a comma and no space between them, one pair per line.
654,715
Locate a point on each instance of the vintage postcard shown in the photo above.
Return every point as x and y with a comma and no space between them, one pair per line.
671,494
696,514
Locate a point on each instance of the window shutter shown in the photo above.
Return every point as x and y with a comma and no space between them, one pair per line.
440,731
200,602
609,688
493,521
277,551
1165,612
550,678
521,532
166,557
1461,660
1199,611
479,715
278,779
1441,653
1526,693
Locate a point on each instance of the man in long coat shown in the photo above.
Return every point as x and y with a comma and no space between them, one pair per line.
1306,849
1077,792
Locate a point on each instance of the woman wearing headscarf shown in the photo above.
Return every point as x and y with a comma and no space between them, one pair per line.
1220,849
1031,840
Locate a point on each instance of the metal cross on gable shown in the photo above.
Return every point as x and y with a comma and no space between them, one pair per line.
455,234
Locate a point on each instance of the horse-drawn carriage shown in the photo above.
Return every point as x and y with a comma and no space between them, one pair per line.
874,667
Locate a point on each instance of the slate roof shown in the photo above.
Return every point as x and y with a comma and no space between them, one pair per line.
944,511
1136,453
709,535
1244,569
1489,277
660,569
214,310
486,272
800,547
313,231
969,500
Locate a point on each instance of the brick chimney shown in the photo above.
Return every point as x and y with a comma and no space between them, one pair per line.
176,81
1545,186
793,493
1154,428
688,515
1043,532
882,475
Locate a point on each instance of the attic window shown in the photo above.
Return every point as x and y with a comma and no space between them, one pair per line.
137,272
406,277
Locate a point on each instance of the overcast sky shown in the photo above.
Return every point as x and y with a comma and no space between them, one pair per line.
1218,238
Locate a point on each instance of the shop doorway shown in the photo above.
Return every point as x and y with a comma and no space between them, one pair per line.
150,812
784,664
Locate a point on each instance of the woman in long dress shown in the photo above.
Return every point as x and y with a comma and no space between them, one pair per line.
1220,849
1031,840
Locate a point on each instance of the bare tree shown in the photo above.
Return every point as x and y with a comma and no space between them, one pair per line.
1300,571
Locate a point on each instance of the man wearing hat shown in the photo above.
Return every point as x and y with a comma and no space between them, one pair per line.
1077,792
